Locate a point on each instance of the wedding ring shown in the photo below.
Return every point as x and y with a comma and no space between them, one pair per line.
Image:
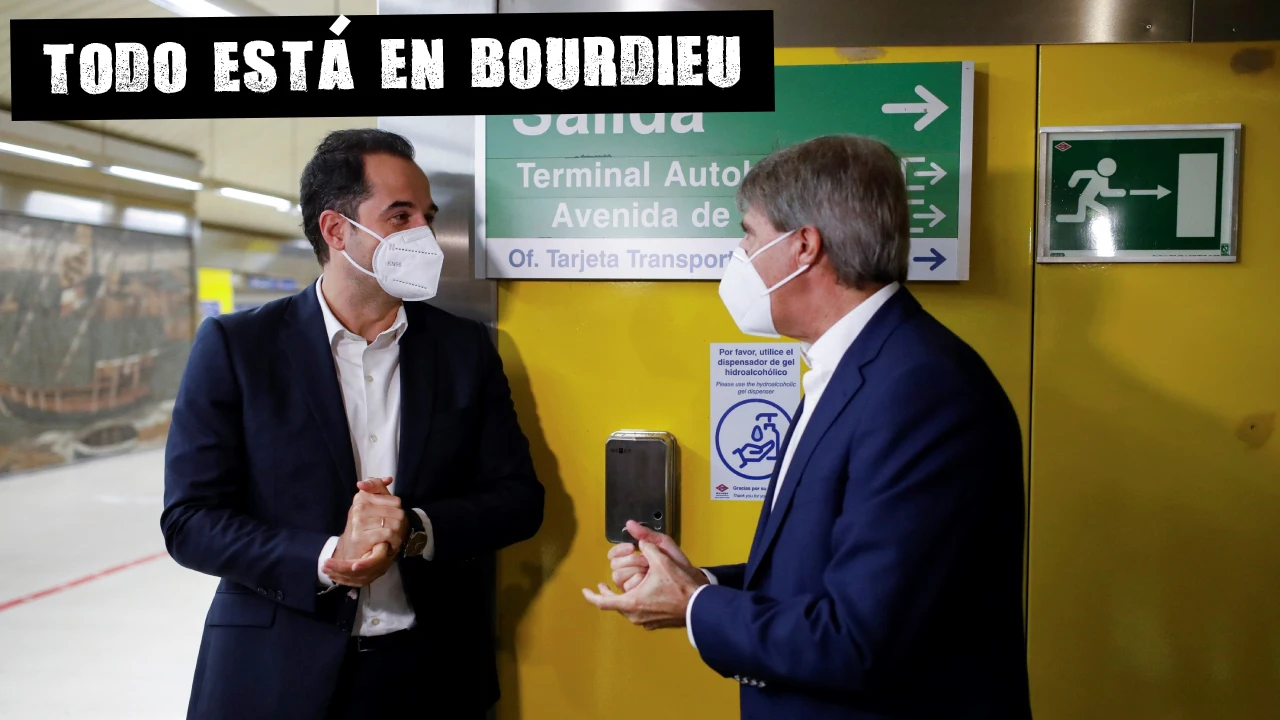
384,522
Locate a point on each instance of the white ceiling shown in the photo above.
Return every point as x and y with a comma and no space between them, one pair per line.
264,155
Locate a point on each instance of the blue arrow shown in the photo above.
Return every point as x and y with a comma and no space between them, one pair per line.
937,259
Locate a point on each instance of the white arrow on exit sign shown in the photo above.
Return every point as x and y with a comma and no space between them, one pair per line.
1159,192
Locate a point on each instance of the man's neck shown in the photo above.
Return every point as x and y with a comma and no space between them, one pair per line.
834,303
359,311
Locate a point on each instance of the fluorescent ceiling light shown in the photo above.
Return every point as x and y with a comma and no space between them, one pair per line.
160,221
237,194
156,178
44,155
65,207
193,8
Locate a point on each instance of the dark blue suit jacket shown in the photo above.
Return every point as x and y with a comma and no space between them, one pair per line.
886,583
259,473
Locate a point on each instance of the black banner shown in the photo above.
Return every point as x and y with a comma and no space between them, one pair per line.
389,65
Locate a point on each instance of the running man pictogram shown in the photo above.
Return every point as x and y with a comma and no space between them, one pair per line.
1098,186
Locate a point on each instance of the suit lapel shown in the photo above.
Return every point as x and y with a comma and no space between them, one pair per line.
844,384
417,395
306,343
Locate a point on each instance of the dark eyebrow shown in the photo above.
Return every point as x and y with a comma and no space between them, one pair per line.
400,204
405,204
745,229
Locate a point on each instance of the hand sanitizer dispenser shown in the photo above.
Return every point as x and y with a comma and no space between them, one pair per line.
640,483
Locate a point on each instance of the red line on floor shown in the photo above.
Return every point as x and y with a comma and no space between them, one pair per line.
78,581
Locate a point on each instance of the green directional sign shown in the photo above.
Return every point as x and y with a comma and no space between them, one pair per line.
651,196
1138,194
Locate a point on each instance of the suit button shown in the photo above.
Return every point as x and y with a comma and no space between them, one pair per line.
279,595
261,591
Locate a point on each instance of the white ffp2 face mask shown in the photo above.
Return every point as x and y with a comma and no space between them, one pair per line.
407,264
745,295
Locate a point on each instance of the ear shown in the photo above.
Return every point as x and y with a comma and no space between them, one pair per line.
808,248
333,228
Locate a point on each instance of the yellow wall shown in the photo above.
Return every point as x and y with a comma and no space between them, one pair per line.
1154,587
586,359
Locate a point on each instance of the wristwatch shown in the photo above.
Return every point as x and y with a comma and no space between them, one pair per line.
417,540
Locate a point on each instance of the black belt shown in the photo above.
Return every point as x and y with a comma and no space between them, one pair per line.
374,643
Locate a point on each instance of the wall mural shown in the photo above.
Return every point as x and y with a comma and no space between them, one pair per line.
95,327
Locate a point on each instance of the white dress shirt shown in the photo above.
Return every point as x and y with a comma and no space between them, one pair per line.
369,375
822,357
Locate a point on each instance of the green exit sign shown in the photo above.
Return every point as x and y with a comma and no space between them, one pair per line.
1156,193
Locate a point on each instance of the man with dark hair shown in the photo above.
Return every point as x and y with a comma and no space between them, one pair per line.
885,578
348,462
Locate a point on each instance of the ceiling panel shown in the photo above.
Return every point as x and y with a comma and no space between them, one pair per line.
192,136
325,7
881,23
253,153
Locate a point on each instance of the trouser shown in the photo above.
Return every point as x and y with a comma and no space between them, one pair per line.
381,679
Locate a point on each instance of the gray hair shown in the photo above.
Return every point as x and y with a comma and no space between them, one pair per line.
848,187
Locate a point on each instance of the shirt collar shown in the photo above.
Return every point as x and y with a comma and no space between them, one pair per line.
826,351
334,329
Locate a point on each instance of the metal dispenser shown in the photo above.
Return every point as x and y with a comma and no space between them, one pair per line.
640,478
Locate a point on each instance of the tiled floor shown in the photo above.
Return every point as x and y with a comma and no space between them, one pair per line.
119,645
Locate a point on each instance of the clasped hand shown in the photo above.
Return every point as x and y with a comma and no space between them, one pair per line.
375,532
656,584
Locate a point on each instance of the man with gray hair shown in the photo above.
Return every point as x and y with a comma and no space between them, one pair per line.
885,577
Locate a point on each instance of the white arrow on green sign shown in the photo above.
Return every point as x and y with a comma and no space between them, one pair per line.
1159,192
929,110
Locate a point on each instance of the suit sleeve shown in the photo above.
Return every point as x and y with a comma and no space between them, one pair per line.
507,503
730,576
206,482
919,467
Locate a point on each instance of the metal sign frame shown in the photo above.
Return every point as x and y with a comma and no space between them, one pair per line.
1050,136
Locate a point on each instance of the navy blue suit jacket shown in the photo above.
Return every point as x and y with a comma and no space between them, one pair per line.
259,473
886,583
